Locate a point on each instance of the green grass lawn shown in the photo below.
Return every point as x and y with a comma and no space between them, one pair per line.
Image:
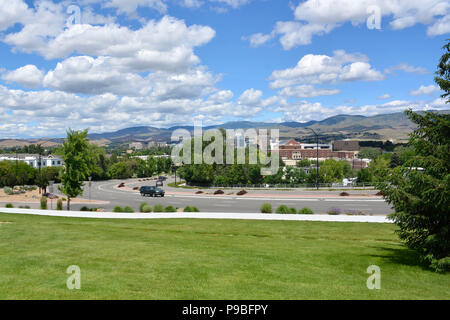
207,259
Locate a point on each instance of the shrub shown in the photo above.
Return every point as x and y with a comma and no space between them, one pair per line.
170,209
266,208
305,210
59,204
334,211
143,204
191,209
118,209
241,193
292,211
85,209
128,209
158,208
43,203
9,205
344,194
8,191
199,192
146,209
282,209
219,192
24,207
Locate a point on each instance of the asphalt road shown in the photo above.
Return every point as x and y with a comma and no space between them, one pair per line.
318,201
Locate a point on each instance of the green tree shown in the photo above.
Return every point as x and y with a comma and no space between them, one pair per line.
303,163
76,164
330,171
121,170
395,160
46,175
379,168
443,73
364,175
420,190
369,153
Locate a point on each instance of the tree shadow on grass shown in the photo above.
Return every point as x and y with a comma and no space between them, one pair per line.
400,255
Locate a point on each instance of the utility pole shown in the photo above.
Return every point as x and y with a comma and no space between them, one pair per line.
317,157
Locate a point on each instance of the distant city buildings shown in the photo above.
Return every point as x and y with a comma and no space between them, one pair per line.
146,145
292,151
34,160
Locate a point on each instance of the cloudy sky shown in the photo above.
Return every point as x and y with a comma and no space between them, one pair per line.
112,64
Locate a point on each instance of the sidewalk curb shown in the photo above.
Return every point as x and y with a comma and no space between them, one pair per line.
200,215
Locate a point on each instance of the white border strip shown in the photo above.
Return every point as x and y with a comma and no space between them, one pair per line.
200,215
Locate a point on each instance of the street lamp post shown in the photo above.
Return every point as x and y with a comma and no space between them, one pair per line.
175,170
51,190
90,183
317,157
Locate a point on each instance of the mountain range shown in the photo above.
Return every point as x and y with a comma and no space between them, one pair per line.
393,126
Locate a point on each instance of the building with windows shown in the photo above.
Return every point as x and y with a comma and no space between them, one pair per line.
292,151
34,160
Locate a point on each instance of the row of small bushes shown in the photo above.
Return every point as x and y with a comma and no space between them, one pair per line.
10,205
283,209
127,209
88,209
146,208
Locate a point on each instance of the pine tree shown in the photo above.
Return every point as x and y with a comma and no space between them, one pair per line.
420,190
443,73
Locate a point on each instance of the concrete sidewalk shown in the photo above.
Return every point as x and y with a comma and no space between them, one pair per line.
199,215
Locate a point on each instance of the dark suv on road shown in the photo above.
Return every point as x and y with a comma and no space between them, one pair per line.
150,191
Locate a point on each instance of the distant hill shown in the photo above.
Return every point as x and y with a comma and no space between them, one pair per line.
394,126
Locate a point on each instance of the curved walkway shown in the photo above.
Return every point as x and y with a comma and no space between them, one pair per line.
199,215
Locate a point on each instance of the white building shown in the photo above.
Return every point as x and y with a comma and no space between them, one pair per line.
34,160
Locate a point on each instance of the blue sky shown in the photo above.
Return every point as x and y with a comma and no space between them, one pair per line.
122,63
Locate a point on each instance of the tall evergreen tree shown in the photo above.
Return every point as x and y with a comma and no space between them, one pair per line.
420,190
443,72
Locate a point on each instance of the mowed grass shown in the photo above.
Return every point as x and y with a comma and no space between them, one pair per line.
207,259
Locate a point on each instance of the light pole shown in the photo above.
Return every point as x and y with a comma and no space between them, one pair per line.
51,190
90,183
317,157
175,170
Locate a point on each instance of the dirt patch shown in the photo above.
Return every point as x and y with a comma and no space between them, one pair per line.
34,197
4,222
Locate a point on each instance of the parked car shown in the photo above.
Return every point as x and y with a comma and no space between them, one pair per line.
150,191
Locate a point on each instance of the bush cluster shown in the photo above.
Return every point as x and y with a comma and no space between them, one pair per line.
191,209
